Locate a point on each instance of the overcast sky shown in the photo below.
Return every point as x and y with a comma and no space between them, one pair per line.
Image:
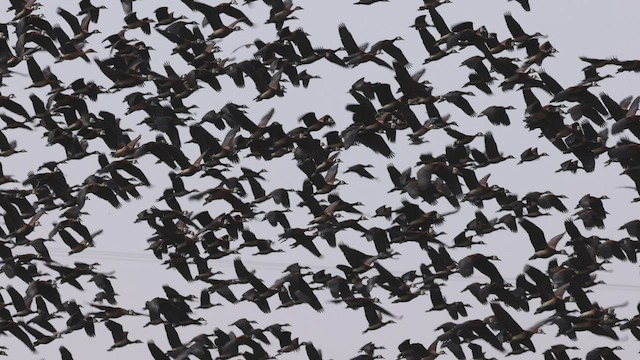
574,28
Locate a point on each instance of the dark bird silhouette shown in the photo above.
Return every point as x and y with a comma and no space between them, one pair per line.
539,242
491,155
515,334
480,262
497,115
120,338
530,154
357,54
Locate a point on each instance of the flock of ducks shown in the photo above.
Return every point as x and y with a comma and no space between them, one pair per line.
575,121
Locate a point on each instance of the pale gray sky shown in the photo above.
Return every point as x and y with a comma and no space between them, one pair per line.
575,28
